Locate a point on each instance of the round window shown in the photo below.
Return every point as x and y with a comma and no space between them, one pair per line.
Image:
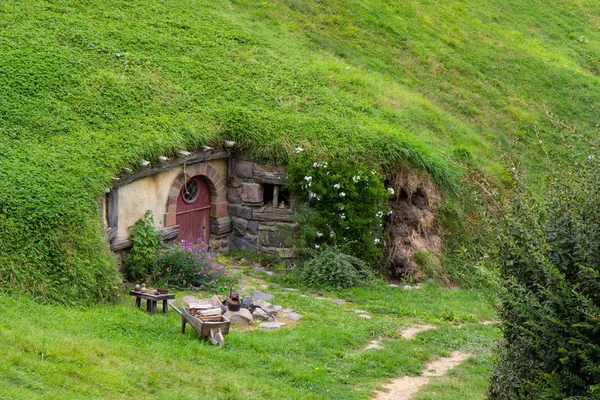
190,191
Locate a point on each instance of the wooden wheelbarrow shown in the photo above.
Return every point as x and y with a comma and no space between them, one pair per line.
214,331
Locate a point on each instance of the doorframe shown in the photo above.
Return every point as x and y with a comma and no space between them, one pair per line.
216,184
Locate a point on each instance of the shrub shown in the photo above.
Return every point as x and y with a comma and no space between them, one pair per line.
550,299
189,265
346,203
331,268
146,240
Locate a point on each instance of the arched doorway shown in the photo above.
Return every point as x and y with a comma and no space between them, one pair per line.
193,210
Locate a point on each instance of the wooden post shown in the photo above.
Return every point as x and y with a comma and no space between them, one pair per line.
275,196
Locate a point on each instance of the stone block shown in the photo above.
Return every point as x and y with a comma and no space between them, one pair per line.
240,211
252,193
253,227
286,252
234,195
242,242
220,226
276,239
218,210
275,214
234,182
239,225
243,317
244,169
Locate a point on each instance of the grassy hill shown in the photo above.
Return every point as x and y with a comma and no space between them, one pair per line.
89,87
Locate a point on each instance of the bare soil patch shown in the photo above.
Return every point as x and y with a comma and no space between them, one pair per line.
404,388
411,331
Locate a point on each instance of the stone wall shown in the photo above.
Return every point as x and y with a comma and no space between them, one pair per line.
255,225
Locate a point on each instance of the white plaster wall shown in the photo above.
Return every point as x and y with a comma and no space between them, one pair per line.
152,193
149,193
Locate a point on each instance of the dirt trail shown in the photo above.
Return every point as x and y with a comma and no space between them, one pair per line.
411,331
404,388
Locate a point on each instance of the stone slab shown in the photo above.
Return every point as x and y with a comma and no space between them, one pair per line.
271,325
260,295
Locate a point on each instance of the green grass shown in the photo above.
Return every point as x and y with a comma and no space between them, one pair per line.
53,351
90,87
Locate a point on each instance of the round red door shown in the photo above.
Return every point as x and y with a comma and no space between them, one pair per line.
193,210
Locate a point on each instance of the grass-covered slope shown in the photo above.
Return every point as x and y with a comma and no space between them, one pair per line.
88,87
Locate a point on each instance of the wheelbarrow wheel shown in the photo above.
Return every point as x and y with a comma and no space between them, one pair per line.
216,337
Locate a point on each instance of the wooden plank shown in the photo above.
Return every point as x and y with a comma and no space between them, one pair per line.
121,243
195,158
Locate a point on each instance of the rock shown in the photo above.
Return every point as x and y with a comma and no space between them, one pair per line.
239,225
259,268
240,211
234,194
287,310
259,295
360,311
289,289
191,299
220,226
365,316
261,314
243,281
242,317
339,301
275,239
215,301
247,301
271,325
242,242
294,316
262,304
253,227
252,193
273,310
244,169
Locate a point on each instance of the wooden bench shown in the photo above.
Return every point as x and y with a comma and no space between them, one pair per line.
151,300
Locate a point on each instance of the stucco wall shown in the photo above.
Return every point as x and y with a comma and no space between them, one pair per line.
152,193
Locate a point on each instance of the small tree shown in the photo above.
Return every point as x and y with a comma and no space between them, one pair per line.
549,256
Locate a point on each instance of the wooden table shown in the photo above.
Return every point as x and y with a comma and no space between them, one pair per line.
151,300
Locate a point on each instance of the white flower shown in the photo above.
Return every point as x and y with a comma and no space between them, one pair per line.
391,190
376,241
324,165
317,246
372,172
379,214
319,234
308,178
356,178
298,150
342,194
311,195
342,216
331,234
315,165
390,212
336,186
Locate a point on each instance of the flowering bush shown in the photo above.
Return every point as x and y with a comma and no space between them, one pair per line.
346,200
189,265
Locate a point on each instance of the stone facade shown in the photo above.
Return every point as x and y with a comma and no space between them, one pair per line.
259,224
248,209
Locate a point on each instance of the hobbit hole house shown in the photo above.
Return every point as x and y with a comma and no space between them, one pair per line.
224,199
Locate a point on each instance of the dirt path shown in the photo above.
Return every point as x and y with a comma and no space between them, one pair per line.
404,388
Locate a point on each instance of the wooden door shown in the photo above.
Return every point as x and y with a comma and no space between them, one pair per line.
193,210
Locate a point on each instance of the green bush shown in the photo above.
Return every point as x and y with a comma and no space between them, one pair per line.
189,265
146,241
345,201
330,268
550,298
